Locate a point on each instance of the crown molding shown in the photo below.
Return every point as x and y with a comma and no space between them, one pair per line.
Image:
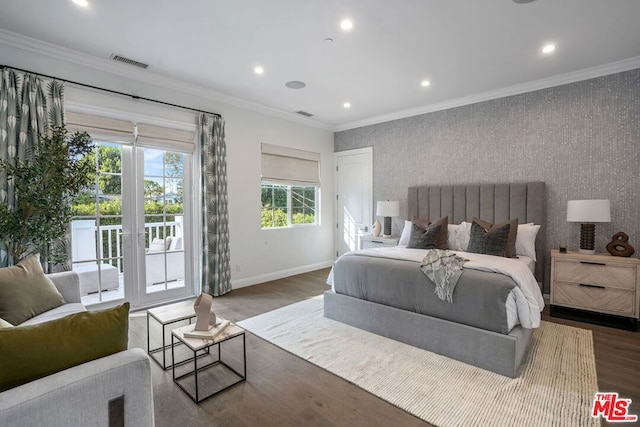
56,52
561,79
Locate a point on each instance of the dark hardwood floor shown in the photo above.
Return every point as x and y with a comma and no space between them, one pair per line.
284,390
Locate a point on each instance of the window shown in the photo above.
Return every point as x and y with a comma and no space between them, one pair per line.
286,205
290,186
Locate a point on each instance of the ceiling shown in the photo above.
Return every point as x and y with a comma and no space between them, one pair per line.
465,48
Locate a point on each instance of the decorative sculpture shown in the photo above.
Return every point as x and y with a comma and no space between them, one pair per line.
619,245
377,227
205,317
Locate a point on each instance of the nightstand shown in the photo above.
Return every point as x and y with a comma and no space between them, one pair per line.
368,241
598,283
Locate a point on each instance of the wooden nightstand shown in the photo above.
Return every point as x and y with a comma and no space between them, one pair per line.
598,283
368,241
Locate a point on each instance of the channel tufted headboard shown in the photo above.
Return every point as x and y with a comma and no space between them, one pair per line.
491,202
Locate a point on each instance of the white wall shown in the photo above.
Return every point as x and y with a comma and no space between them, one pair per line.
260,254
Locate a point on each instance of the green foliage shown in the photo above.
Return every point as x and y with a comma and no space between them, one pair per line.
273,218
152,190
300,218
114,208
45,186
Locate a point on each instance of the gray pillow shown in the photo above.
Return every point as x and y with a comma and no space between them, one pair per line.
513,233
424,238
26,292
489,241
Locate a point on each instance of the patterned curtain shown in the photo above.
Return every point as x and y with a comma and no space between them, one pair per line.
23,117
216,270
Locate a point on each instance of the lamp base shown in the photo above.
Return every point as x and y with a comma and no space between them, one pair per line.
387,227
587,238
587,251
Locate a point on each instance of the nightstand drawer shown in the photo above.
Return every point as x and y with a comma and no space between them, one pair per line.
595,273
604,299
368,242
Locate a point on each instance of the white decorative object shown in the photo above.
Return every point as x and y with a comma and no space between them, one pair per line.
377,227
205,317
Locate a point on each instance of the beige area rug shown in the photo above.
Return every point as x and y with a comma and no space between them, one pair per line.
555,388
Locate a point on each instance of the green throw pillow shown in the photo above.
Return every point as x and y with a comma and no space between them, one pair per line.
35,351
25,291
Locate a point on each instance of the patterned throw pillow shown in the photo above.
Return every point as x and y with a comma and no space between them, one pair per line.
424,238
441,241
491,241
513,233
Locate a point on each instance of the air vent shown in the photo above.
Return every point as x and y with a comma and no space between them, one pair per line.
304,113
128,61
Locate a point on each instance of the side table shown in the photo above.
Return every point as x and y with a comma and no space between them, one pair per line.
165,316
218,374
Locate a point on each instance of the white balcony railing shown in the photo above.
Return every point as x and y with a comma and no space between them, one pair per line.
85,235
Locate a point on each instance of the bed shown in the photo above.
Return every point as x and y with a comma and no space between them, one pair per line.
382,290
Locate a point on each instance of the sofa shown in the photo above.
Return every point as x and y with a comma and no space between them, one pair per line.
112,390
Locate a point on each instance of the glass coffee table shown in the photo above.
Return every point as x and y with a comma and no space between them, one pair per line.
212,371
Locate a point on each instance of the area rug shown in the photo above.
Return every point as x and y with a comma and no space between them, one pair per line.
555,388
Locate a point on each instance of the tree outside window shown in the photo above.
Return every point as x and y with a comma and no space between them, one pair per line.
286,205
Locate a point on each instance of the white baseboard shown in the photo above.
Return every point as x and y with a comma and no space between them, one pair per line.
255,280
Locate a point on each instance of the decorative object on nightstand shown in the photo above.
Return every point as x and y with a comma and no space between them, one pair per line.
588,212
619,245
387,210
376,228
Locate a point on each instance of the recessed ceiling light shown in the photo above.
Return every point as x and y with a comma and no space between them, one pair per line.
425,83
548,48
258,70
83,3
346,24
347,105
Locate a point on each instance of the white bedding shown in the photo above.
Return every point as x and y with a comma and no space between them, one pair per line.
524,303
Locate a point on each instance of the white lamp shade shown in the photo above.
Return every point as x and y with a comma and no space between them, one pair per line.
588,211
388,208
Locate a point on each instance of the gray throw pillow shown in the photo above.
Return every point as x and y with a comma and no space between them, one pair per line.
489,241
513,233
26,292
424,238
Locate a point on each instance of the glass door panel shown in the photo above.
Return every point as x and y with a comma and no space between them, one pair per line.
96,229
165,272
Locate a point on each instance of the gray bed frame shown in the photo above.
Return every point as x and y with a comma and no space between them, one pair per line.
499,353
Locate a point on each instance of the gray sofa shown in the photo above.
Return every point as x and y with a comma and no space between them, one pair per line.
101,392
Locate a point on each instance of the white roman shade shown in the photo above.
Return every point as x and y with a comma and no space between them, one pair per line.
290,166
165,138
96,125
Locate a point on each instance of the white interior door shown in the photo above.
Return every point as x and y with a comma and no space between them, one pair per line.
354,194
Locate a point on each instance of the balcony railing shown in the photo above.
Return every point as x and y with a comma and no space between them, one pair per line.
89,243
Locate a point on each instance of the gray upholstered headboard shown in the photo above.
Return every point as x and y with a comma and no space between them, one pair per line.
491,202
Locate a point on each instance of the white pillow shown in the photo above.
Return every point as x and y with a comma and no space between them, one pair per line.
157,245
526,240
406,234
462,235
451,241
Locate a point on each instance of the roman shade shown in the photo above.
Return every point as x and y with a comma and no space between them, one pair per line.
150,136
291,166
165,138
97,125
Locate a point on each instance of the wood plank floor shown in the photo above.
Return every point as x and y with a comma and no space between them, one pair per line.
284,390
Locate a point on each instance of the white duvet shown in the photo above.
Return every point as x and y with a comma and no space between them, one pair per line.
524,303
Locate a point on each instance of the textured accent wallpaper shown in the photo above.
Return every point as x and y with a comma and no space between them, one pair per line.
582,139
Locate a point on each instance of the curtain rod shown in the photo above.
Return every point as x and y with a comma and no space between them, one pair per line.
112,91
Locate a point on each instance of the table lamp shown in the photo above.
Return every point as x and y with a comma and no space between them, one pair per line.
588,212
387,210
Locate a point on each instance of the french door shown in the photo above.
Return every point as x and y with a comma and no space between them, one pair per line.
130,236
